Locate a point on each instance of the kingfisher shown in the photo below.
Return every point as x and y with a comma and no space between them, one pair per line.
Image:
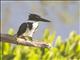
27,29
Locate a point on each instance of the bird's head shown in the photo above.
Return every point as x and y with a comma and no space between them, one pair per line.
35,17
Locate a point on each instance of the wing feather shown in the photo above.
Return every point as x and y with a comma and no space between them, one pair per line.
22,29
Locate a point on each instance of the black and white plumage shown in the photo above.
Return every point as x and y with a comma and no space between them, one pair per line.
27,29
24,26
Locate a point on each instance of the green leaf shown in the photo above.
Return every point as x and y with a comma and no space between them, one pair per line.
62,47
78,47
55,50
51,38
46,35
33,56
6,48
1,50
17,52
72,34
58,41
67,48
11,31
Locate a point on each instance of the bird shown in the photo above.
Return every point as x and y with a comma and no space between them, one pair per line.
27,29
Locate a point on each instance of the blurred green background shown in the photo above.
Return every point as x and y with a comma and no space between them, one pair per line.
63,32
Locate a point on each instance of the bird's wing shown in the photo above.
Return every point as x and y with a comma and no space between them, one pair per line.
22,29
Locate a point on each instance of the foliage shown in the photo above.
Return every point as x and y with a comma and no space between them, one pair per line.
68,50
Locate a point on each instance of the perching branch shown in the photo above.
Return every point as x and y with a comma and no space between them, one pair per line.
11,39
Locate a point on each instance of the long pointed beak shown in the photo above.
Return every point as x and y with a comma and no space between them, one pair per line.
44,20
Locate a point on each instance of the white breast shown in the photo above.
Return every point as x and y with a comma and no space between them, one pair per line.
35,26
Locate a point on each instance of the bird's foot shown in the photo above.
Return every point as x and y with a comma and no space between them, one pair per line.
26,38
29,38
